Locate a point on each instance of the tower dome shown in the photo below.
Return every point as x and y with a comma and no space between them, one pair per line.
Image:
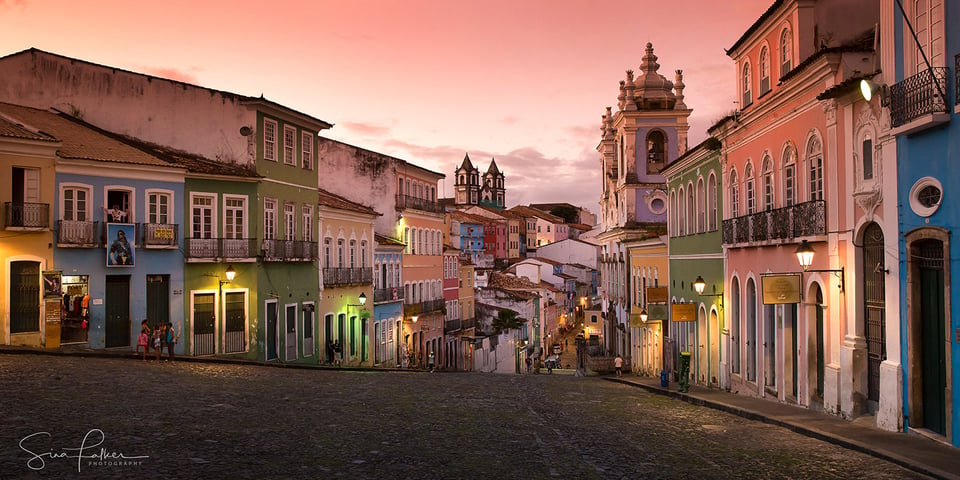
654,91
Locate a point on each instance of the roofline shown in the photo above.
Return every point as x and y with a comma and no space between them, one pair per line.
756,25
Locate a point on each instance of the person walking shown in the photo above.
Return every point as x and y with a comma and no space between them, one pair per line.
156,340
336,353
143,340
618,365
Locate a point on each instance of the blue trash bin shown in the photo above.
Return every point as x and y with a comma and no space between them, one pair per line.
663,378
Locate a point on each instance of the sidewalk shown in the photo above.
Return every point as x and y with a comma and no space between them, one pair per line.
909,450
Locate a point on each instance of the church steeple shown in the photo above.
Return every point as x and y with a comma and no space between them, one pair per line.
470,190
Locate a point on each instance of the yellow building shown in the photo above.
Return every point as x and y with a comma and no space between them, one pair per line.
649,266
27,179
346,280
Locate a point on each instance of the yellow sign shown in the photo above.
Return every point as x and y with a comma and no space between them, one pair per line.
163,233
684,312
780,289
657,295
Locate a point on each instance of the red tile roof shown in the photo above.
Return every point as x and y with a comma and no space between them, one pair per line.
327,199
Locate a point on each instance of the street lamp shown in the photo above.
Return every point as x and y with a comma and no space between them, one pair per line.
643,315
699,284
230,273
805,258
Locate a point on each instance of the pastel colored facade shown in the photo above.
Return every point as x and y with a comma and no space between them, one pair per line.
788,181
571,251
452,325
925,124
388,302
698,254
27,193
643,342
646,133
467,311
471,189
346,279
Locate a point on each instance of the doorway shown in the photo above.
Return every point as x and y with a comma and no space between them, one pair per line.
874,306
117,310
204,319
272,335
158,299
290,327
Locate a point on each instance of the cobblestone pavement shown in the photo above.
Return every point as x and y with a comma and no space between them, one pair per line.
203,420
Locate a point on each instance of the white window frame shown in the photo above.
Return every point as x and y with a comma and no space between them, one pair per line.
746,90
131,198
306,150
213,213
764,63
306,227
243,208
289,145
170,217
88,201
269,219
270,128
786,50
289,221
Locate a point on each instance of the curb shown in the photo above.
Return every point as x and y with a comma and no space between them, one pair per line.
806,431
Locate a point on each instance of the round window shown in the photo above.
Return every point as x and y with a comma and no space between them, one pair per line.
657,205
926,196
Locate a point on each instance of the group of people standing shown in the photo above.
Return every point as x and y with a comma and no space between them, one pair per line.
335,352
161,336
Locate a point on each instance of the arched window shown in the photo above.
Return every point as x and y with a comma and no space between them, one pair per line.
656,151
764,70
866,156
353,254
815,163
691,210
399,186
674,229
712,203
681,217
747,95
751,190
407,240
789,176
768,191
701,207
340,253
786,51
734,194
463,179
363,254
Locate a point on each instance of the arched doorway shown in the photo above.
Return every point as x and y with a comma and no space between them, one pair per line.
874,306
928,357
751,343
713,374
735,326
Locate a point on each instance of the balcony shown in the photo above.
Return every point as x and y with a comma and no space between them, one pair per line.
424,307
333,277
468,323
956,79
406,201
212,249
74,234
26,216
381,295
160,235
289,251
801,220
919,99
454,325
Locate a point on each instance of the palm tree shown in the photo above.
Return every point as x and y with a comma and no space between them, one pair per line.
506,320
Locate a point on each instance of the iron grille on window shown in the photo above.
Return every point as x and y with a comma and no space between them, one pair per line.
918,95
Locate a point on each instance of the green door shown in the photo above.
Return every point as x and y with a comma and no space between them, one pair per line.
821,360
932,333
158,299
117,309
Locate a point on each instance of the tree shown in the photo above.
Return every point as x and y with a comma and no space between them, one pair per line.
506,320
566,212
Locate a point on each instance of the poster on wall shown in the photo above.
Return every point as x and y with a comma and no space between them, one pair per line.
120,244
52,284
780,289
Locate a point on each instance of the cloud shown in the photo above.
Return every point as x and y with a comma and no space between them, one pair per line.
362,128
171,74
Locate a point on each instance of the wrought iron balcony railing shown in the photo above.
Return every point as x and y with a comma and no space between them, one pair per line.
387,294
918,95
426,306
347,276
160,235
468,323
220,248
406,201
289,251
26,215
71,233
453,325
800,220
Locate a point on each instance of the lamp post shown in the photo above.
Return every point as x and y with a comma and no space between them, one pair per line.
699,284
357,306
805,258
230,274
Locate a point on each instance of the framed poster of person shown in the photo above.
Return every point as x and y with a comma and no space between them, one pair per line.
52,286
120,245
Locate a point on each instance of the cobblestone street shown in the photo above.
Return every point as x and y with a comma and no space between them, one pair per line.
209,420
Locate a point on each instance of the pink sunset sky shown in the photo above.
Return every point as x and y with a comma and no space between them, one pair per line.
522,81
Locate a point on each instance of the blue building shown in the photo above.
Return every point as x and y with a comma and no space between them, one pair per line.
117,239
387,302
920,43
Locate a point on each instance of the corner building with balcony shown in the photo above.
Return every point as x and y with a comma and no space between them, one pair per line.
811,336
921,95
278,143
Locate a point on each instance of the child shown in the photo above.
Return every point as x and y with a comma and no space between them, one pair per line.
171,339
142,343
156,340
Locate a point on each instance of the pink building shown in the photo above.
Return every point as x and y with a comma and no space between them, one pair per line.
786,181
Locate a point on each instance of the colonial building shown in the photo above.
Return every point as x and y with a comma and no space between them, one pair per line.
798,332
470,190
646,133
